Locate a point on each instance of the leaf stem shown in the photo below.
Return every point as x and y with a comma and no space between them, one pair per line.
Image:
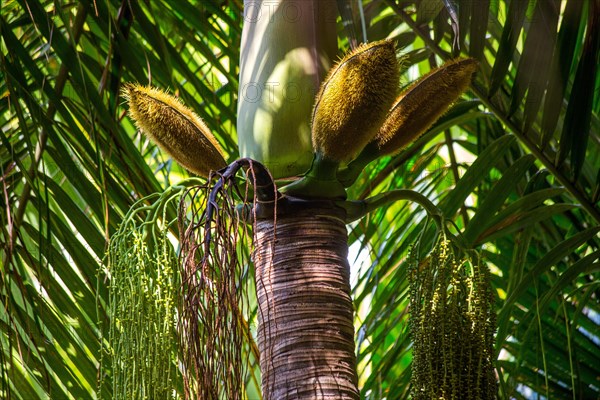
359,208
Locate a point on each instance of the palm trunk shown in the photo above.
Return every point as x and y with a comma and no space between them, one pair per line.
305,333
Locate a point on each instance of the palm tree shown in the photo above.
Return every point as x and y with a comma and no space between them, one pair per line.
514,165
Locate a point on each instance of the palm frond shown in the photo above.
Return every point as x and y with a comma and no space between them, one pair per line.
517,208
72,166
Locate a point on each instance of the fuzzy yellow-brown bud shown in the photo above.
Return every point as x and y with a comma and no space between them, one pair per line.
175,128
423,102
354,100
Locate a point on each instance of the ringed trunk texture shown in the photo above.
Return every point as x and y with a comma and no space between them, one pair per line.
305,332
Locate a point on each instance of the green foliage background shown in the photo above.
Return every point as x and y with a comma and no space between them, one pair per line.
516,166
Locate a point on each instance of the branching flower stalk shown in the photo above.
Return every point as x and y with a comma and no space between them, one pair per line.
144,283
452,324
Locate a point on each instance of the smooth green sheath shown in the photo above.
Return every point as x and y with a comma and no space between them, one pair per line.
320,182
286,51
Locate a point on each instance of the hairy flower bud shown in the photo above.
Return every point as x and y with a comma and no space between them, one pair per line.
354,99
175,128
422,103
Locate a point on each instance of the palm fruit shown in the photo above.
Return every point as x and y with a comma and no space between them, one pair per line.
287,48
422,103
354,100
175,128
452,325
